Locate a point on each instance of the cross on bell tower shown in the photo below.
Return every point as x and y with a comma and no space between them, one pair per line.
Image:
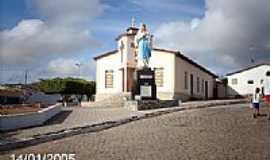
132,21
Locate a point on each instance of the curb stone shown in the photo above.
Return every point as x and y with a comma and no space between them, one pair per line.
42,138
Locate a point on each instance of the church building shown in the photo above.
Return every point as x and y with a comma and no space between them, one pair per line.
176,76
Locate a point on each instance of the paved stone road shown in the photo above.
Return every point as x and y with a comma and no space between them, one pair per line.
81,116
205,134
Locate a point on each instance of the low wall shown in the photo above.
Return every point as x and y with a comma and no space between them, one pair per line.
16,121
150,104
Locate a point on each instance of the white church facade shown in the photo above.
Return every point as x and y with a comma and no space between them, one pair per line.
176,76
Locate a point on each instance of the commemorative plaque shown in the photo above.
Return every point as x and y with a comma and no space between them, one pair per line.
146,87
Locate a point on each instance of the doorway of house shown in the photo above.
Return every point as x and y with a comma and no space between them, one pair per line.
206,90
130,77
191,85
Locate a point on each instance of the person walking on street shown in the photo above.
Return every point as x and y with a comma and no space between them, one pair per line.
256,102
266,87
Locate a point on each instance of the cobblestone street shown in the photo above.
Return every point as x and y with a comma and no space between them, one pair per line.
227,132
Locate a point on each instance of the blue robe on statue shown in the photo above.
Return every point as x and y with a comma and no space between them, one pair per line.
144,49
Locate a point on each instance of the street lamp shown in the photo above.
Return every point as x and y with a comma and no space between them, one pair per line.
79,66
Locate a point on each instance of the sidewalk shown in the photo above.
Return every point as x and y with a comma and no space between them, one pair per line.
79,120
71,118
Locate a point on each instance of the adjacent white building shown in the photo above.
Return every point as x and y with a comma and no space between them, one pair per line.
177,76
244,82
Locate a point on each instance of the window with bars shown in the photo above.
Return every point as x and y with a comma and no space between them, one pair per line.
159,75
234,81
250,82
109,79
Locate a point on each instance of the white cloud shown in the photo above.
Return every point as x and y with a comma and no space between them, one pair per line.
221,39
68,12
63,30
65,67
32,40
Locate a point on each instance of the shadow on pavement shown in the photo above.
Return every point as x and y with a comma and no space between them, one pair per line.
59,118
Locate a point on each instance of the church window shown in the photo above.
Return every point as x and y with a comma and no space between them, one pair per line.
132,45
109,79
122,46
159,75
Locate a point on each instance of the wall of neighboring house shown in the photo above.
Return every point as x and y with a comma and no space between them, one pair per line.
165,61
183,84
241,83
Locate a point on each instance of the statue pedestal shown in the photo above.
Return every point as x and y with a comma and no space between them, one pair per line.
145,84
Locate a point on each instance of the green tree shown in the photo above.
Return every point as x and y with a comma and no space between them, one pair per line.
67,87
90,89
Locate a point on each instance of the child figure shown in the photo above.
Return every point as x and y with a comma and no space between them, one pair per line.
256,102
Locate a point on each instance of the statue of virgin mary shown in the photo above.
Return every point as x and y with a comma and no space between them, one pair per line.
143,43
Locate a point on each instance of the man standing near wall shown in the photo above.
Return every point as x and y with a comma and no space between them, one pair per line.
267,91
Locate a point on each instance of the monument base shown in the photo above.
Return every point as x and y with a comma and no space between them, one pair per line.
145,87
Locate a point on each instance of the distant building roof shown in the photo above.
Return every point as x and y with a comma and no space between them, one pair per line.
177,54
247,68
105,54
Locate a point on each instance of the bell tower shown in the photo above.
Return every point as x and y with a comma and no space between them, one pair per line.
126,48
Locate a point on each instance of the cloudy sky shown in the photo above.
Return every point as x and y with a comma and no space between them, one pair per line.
49,37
